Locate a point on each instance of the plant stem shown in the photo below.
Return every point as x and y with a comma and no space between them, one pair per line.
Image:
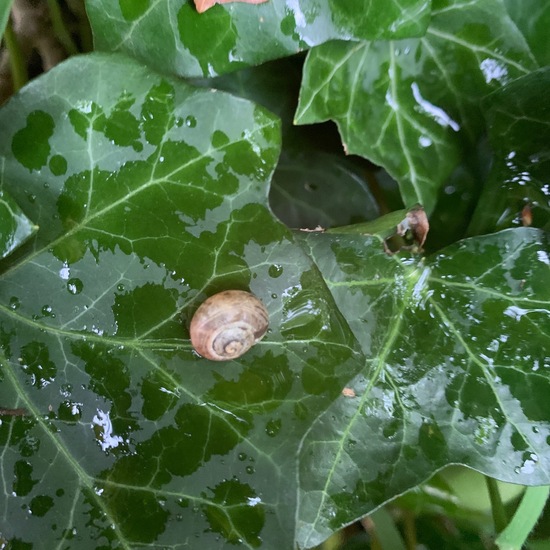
499,514
525,518
18,67
385,530
59,28
410,530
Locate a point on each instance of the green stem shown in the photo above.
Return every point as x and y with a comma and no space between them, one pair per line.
525,518
18,66
387,533
59,28
499,514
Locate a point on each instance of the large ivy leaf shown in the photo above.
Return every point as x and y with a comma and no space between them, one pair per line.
518,118
151,195
458,353
229,37
412,106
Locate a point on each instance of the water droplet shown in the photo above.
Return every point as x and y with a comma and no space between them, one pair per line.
120,287
274,296
31,197
250,469
47,311
273,427
190,121
179,122
275,270
75,286
242,456
14,303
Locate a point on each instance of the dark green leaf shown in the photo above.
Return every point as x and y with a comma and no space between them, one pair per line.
518,190
228,37
317,189
533,19
15,227
151,195
458,355
412,105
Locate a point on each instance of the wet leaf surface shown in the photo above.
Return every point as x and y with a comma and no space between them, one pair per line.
457,352
518,190
15,227
532,18
412,106
318,189
151,196
232,36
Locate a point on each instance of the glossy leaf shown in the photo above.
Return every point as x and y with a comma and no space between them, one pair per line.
458,355
229,37
150,196
317,189
412,106
533,19
518,190
15,227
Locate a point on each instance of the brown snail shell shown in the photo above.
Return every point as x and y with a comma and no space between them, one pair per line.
228,324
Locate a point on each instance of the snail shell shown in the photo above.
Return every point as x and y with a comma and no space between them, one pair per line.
228,324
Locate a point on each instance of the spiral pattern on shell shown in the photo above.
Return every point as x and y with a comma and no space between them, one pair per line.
228,324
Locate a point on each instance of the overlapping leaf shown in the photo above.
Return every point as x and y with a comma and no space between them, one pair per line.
151,195
412,106
532,18
232,36
459,354
518,191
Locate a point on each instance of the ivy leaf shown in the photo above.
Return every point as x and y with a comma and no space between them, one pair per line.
318,189
236,35
532,18
412,106
457,372
15,227
518,117
151,195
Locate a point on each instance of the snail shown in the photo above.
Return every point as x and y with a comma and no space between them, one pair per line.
228,324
